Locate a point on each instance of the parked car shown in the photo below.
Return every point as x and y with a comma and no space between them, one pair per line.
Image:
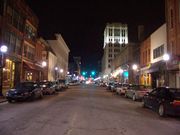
23,91
136,91
61,84
109,85
163,100
114,86
48,88
122,88
74,83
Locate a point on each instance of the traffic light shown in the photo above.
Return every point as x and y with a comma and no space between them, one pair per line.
93,73
83,73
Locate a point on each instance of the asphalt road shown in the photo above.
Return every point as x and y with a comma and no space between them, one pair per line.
83,110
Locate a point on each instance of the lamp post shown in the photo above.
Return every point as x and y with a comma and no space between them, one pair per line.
43,64
135,69
61,72
56,74
166,58
3,50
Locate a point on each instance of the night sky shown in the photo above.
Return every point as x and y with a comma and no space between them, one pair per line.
82,23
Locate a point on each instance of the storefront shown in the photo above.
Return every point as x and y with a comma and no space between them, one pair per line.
32,72
8,75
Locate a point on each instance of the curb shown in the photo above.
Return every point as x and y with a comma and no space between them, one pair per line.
3,101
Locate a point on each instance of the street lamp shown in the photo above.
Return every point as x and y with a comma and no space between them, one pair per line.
44,64
135,73
166,58
3,49
56,73
134,67
61,71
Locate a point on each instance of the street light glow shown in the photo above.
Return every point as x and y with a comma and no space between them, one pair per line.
121,71
166,57
44,64
3,48
61,70
134,67
56,68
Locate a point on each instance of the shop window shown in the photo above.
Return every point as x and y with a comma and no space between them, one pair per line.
28,76
8,74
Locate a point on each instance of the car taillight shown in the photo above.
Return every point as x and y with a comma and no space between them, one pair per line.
176,103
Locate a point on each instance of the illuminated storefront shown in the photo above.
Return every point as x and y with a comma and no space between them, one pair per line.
146,79
8,74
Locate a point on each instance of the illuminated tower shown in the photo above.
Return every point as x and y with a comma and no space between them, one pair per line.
115,39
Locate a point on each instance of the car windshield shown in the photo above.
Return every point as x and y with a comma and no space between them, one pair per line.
138,87
62,81
175,93
45,84
25,85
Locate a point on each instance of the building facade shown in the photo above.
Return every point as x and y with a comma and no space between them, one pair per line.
18,31
122,64
173,41
61,51
115,38
153,66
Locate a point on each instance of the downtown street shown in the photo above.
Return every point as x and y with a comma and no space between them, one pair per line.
83,110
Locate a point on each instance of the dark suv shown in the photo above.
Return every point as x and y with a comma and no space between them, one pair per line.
23,91
163,100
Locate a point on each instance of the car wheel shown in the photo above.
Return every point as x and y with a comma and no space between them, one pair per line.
41,95
134,97
143,104
9,100
161,110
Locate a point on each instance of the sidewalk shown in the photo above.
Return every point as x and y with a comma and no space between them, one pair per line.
2,99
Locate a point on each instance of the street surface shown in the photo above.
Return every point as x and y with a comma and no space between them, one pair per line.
83,110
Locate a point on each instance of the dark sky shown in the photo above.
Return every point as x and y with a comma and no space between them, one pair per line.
82,23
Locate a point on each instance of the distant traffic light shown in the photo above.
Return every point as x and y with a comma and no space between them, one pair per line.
83,73
93,73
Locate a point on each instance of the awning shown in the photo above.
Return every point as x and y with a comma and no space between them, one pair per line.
155,67
31,66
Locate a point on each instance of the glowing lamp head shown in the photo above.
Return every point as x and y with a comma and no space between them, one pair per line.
56,68
61,70
3,48
166,57
134,67
44,64
121,71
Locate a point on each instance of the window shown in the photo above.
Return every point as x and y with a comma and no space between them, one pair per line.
116,50
12,42
171,18
179,10
9,14
110,55
116,45
1,7
30,32
149,55
116,40
110,32
29,52
18,46
158,52
116,32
